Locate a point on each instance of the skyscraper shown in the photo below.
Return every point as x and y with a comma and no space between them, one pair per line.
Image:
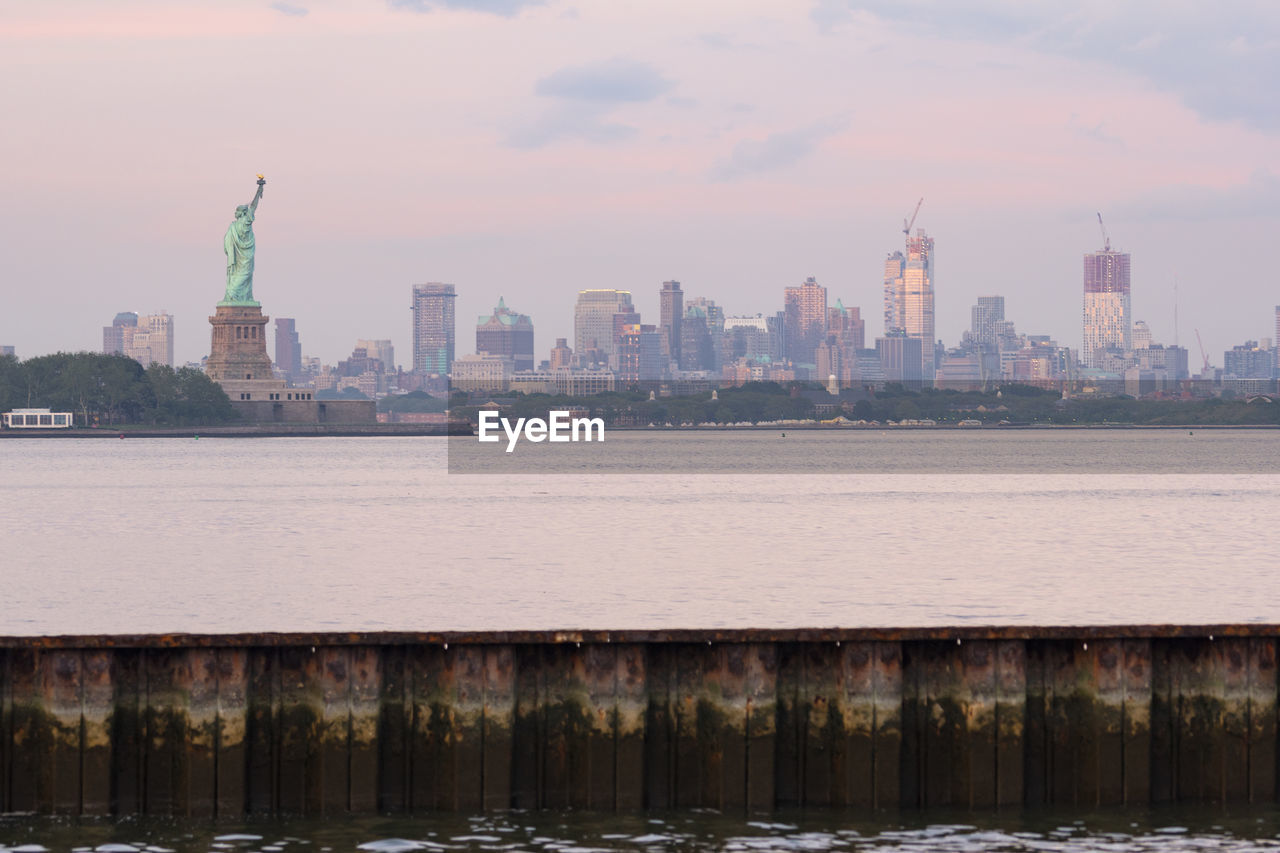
805,320
506,333
985,315
147,338
114,336
908,296
433,328
672,312
561,355
1106,303
1275,343
593,324
380,349
288,349
639,354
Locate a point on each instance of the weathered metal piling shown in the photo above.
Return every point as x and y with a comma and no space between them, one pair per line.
739,721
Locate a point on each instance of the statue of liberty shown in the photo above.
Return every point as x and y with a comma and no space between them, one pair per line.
239,248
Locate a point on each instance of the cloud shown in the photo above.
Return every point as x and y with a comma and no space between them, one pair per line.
1222,59
568,121
289,9
503,8
581,99
775,151
608,81
1256,198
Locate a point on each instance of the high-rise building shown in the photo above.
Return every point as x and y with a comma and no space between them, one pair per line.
381,350
593,323
1248,361
908,296
805,319
900,359
752,338
1276,342
6,349
639,355
114,336
713,312
506,333
984,316
433,328
146,338
288,349
1106,304
561,355
848,327
696,350
671,310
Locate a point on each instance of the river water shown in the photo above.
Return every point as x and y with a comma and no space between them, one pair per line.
667,530
648,530
1159,831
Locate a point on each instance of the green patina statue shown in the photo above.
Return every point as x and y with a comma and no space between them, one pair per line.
239,248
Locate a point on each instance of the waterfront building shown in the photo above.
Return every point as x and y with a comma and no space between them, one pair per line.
433,328
563,381
481,372
593,320
805,320
288,349
671,312
908,297
506,333
1106,305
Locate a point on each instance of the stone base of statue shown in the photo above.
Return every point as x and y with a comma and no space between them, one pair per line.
238,359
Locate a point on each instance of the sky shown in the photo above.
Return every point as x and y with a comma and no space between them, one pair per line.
529,149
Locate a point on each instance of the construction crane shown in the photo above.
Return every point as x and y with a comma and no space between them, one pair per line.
907,223
1203,355
1106,238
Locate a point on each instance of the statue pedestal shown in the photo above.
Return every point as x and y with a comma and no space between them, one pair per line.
238,359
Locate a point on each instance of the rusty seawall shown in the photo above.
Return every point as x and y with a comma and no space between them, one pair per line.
741,721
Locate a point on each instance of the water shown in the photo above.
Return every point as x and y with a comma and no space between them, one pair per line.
1058,831
818,529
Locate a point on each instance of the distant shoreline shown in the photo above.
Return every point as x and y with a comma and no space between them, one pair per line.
242,431
437,430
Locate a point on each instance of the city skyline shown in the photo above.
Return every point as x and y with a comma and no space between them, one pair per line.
605,155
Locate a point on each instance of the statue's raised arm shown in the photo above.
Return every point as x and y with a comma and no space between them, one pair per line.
257,197
239,246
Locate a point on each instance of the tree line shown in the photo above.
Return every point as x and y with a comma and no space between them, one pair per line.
110,390
772,401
